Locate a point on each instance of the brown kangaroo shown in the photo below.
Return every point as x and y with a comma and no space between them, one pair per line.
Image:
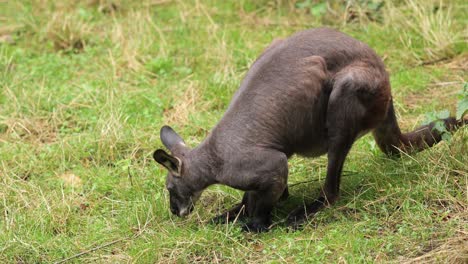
311,94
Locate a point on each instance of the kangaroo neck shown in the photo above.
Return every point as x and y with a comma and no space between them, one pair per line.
204,165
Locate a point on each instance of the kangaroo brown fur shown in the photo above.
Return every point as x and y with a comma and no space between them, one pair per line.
311,94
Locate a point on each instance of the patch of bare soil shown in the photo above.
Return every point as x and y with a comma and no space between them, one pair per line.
34,130
443,93
459,63
452,250
71,179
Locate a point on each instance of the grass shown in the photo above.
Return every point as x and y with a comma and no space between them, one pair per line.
86,85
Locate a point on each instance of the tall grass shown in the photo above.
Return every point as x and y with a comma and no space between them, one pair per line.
428,24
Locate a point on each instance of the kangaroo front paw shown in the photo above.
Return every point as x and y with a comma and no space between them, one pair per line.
299,216
235,213
255,227
226,218
296,218
220,219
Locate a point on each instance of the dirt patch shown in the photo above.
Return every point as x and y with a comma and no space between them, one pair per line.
7,39
459,63
71,179
452,250
34,130
443,93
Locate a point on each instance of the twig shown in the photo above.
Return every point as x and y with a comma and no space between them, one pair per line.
434,61
89,251
316,180
281,221
97,248
445,83
159,2
130,176
302,182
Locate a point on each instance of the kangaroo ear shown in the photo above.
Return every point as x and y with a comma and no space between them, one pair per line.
173,164
170,138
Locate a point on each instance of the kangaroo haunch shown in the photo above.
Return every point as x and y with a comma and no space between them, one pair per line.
311,94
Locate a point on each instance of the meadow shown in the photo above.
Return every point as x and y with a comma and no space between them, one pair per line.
86,85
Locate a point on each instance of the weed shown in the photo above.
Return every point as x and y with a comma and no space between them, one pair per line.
462,109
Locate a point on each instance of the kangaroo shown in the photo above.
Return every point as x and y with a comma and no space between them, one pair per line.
310,94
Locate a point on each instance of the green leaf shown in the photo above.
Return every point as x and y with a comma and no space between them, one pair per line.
431,116
183,70
446,136
443,114
319,9
439,126
124,164
462,107
375,6
160,66
304,4
434,116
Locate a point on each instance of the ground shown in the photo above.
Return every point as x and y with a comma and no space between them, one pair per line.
86,85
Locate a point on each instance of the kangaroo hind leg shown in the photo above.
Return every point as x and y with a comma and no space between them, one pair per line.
353,109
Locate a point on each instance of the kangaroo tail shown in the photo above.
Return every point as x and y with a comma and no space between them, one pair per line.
391,141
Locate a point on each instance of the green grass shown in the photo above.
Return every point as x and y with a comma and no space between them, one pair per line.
86,85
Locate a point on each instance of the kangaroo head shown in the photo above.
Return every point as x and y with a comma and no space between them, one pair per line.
182,194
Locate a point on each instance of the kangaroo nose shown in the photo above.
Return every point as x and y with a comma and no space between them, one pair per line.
174,211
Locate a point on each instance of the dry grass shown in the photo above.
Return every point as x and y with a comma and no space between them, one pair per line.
453,250
68,32
183,106
111,127
445,91
459,63
431,21
133,39
34,130
106,6
354,12
71,179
